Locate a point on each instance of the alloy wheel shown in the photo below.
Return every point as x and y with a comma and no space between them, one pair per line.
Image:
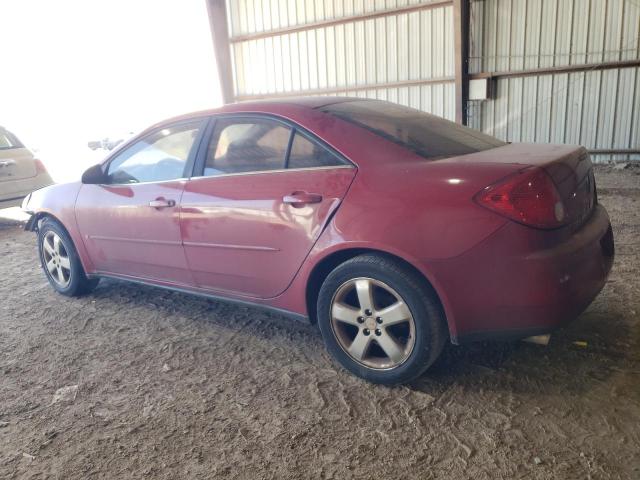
56,259
372,323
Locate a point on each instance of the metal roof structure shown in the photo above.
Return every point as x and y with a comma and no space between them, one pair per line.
561,71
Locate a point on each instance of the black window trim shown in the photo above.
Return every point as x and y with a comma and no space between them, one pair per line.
287,153
201,156
195,147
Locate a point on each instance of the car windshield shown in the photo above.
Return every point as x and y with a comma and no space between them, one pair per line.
8,140
427,135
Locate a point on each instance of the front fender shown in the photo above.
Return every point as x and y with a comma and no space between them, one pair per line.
58,202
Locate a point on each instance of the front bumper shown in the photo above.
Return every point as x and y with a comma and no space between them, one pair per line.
521,282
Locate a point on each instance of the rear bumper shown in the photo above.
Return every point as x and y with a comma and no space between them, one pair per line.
10,202
12,192
514,284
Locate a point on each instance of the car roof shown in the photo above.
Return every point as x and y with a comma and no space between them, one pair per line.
263,105
272,105
310,102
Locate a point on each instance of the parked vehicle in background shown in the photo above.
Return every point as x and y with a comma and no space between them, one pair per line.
395,230
20,172
109,143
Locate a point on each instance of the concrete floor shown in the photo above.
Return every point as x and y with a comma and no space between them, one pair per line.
173,386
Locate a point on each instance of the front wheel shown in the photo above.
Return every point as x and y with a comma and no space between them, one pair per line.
60,261
380,319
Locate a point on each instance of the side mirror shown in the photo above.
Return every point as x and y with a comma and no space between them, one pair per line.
94,175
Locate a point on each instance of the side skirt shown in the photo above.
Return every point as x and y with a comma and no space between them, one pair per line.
285,313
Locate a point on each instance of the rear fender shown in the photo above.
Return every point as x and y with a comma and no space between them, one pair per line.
295,298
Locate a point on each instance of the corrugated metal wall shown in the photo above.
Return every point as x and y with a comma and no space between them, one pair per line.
599,109
408,57
401,57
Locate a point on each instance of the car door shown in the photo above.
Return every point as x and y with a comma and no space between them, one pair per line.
264,191
131,224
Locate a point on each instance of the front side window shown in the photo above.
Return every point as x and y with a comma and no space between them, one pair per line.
308,154
246,145
158,157
8,140
424,134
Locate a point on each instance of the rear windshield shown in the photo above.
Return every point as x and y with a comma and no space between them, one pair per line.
8,140
427,135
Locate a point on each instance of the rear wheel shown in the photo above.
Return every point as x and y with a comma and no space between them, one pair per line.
60,261
380,320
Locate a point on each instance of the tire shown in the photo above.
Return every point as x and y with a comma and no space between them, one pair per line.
355,335
60,261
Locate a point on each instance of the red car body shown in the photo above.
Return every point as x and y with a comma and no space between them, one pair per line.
236,237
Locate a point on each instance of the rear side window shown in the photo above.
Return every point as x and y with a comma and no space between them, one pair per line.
308,154
246,145
424,134
8,140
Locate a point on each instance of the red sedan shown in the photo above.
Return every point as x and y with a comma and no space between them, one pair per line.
393,229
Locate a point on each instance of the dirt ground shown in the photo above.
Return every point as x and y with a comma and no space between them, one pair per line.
174,386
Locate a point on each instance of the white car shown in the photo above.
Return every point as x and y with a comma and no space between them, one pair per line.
20,172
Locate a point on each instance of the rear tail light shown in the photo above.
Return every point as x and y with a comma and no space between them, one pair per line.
40,168
529,197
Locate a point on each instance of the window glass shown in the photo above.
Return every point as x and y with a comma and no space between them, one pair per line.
8,140
159,156
305,154
427,135
246,145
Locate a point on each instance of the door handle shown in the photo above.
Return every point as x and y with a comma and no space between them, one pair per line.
300,199
6,163
162,203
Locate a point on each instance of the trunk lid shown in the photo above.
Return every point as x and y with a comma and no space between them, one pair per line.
16,164
574,179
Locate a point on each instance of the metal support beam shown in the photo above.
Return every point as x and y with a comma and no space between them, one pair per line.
355,88
461,46
217,10
615,151
585,67
341,21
